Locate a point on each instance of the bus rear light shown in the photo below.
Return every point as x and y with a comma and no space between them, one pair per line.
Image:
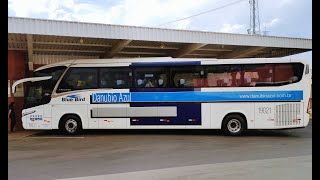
309,106
296,120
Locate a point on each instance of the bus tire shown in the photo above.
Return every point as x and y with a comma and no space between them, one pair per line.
71,125
233,125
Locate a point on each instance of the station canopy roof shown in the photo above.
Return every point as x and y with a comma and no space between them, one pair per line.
48,41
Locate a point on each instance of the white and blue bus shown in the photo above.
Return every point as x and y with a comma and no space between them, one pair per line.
162,93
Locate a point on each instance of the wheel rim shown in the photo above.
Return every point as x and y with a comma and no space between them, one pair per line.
71,125
234,125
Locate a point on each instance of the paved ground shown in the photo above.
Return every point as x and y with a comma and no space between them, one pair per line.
163,154
20,134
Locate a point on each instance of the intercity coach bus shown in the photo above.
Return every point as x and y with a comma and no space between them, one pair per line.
162,92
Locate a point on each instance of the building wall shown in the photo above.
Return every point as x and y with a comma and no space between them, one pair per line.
35,66
16,70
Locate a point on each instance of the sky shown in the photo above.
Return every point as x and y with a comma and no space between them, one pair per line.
285,18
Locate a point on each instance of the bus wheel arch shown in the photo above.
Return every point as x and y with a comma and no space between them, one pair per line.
70,124
234,123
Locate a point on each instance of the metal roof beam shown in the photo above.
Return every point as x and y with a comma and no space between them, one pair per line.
157,53
72,44
204,55
30,51
62,43
66,50
285,52
241,52
19,42
219,50
187,49
17,49
151,47
117,48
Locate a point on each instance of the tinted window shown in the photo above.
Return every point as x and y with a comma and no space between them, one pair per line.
258,75
115,77
187,77
223,76
55,72
149,77
78,79
288,73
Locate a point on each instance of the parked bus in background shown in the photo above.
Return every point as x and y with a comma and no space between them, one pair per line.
177,93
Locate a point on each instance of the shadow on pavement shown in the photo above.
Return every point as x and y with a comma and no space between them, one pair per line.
101,132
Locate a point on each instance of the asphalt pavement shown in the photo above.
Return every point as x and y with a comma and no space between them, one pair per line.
162,154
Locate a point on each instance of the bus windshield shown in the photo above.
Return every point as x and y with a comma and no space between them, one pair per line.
39,92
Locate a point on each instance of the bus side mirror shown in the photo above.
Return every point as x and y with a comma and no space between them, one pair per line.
13,90
14,87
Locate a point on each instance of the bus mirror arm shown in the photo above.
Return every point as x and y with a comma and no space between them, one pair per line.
13,89
33,79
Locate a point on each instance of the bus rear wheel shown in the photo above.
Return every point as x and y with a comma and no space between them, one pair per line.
71,125
233,125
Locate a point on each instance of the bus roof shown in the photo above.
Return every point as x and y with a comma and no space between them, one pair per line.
94,62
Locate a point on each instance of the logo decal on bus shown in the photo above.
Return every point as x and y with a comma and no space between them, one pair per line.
111,97
73,98
35,117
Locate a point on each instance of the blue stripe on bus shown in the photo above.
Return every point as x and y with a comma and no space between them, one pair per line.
163,89
183,63
192,96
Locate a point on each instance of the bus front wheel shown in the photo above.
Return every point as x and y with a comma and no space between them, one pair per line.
233,125
71,125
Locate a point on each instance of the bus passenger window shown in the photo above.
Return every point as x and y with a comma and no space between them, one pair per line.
226,82
151,77
223,76
120,83
140,83
293,79
187,76
218,83
288,73
160,83
104,80
248,81
91,81
181,83
258,75
115,77
78,79
151,83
